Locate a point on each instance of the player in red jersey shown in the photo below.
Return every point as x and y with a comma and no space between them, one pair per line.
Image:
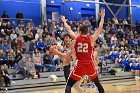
83,51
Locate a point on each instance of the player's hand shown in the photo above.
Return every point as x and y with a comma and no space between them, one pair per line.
102,13
54,51
64,20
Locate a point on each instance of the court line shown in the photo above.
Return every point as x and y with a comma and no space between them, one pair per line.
58,87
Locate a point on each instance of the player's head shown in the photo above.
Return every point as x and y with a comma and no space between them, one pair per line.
96,47
83,30
67,39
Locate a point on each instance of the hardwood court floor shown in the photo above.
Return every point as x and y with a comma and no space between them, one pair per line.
118,86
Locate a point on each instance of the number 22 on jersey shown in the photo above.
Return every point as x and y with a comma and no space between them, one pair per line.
82,47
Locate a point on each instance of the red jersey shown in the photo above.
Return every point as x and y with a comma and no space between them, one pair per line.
83,50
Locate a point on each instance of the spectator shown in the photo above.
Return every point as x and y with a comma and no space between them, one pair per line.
4,15
2,34
31,68
56,60
18,56
37,36
13,35
32,46
113,38
108,21
40,30
2,61
14,44
37,61
19,15
28,36
23,68
104,48
6,46
41,45
125,22
93,22
8,29
47,59
11,58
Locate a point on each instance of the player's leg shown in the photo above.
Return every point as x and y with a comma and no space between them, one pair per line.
66,71
98,85
69,85
77,86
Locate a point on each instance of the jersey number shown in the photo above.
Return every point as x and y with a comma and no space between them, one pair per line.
82,47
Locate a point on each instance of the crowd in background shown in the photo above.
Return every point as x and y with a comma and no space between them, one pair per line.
119,42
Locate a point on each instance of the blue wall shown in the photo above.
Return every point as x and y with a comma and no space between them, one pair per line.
123,12
30,8
135,11
63,9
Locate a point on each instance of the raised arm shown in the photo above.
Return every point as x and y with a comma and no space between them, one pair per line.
99,30
68,28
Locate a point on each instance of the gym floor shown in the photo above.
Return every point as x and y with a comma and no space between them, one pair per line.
115,86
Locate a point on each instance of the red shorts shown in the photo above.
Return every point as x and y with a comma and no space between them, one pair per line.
81,70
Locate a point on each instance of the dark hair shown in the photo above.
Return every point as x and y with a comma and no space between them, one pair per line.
97,45
83,29
66,35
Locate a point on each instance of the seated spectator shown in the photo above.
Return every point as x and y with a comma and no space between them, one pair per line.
18,56
56,60
40,30
11,58
125,22
23,68
113,38
31,68
20,43
108,21
13,35
8,29
59,42
28,36
37,36
14,44
19,30
114,44
37,61
134,69
132,54
104,48
6,46
47,59
132,42
1,57
6,78
2,34
32,46
41,45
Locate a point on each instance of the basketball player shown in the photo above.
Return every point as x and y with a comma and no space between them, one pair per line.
66,58
83,51
95,62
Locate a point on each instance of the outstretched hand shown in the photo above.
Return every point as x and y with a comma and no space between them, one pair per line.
102,12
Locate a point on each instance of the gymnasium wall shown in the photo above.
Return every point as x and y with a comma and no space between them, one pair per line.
135,11
30,9
123,12
79,8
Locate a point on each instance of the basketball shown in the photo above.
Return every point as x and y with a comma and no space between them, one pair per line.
54,47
